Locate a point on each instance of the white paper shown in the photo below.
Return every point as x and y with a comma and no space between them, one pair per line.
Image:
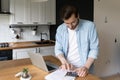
59,75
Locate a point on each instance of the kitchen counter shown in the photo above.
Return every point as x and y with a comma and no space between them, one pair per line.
28,44
15,66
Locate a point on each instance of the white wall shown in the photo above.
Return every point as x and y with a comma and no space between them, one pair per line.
7,36
107,19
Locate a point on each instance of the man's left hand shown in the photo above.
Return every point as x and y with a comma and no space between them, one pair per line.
82,71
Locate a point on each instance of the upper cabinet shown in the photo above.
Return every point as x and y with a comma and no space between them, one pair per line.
51,12
43,12
4,7
19,11
29,12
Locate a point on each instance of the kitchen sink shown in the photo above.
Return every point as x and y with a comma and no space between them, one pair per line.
45,42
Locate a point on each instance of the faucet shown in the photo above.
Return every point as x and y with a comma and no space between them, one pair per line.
41,38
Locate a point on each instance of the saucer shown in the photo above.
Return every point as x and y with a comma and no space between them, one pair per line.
29,78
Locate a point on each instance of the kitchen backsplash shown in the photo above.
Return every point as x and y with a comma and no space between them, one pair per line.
6,34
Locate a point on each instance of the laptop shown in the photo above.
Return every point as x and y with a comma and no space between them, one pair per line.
38,61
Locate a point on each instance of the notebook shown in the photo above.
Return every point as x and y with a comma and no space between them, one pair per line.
59,74
38,61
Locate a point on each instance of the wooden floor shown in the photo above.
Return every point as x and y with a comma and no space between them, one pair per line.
113,77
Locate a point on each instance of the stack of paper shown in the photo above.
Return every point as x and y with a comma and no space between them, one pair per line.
59,75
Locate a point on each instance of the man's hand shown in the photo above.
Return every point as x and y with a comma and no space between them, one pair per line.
82,71
67,66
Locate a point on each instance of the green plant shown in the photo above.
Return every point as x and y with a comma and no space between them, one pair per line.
25,70
25,73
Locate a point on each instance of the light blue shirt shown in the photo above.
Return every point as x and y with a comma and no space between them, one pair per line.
87,39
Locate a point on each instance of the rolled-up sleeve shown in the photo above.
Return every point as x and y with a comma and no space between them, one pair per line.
58,44
94,42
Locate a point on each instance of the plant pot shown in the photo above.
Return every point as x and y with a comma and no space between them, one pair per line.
28,78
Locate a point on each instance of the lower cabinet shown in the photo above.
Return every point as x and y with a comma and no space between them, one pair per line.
49,50
23,53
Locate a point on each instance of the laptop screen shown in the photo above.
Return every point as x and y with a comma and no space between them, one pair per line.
38,61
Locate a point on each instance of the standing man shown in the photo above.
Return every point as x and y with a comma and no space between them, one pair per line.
77,42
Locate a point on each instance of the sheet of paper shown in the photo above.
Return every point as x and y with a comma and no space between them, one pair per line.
59,75
69,78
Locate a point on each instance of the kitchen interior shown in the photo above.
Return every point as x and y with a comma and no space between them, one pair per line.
30,26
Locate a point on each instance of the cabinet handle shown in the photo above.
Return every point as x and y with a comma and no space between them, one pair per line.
49,23
35,22
36,50
39,50
19,22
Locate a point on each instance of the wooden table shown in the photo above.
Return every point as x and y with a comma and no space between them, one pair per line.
8,69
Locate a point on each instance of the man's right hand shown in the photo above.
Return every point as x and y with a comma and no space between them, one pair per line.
67,66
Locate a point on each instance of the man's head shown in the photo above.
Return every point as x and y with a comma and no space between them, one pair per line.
70,16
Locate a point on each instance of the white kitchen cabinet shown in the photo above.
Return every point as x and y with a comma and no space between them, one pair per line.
29,12
37,13
49,50
22,53
19,11
51,12
43,12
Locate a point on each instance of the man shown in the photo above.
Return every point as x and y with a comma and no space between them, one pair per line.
76,42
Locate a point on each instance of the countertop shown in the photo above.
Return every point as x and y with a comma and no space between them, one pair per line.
27,44
15,66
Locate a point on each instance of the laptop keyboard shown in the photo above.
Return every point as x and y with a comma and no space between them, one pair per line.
49,67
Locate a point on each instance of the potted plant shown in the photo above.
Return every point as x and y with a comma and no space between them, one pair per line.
25,74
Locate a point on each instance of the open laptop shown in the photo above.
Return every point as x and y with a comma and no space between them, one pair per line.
38,61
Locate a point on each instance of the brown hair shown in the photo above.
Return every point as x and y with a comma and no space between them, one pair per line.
67,12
